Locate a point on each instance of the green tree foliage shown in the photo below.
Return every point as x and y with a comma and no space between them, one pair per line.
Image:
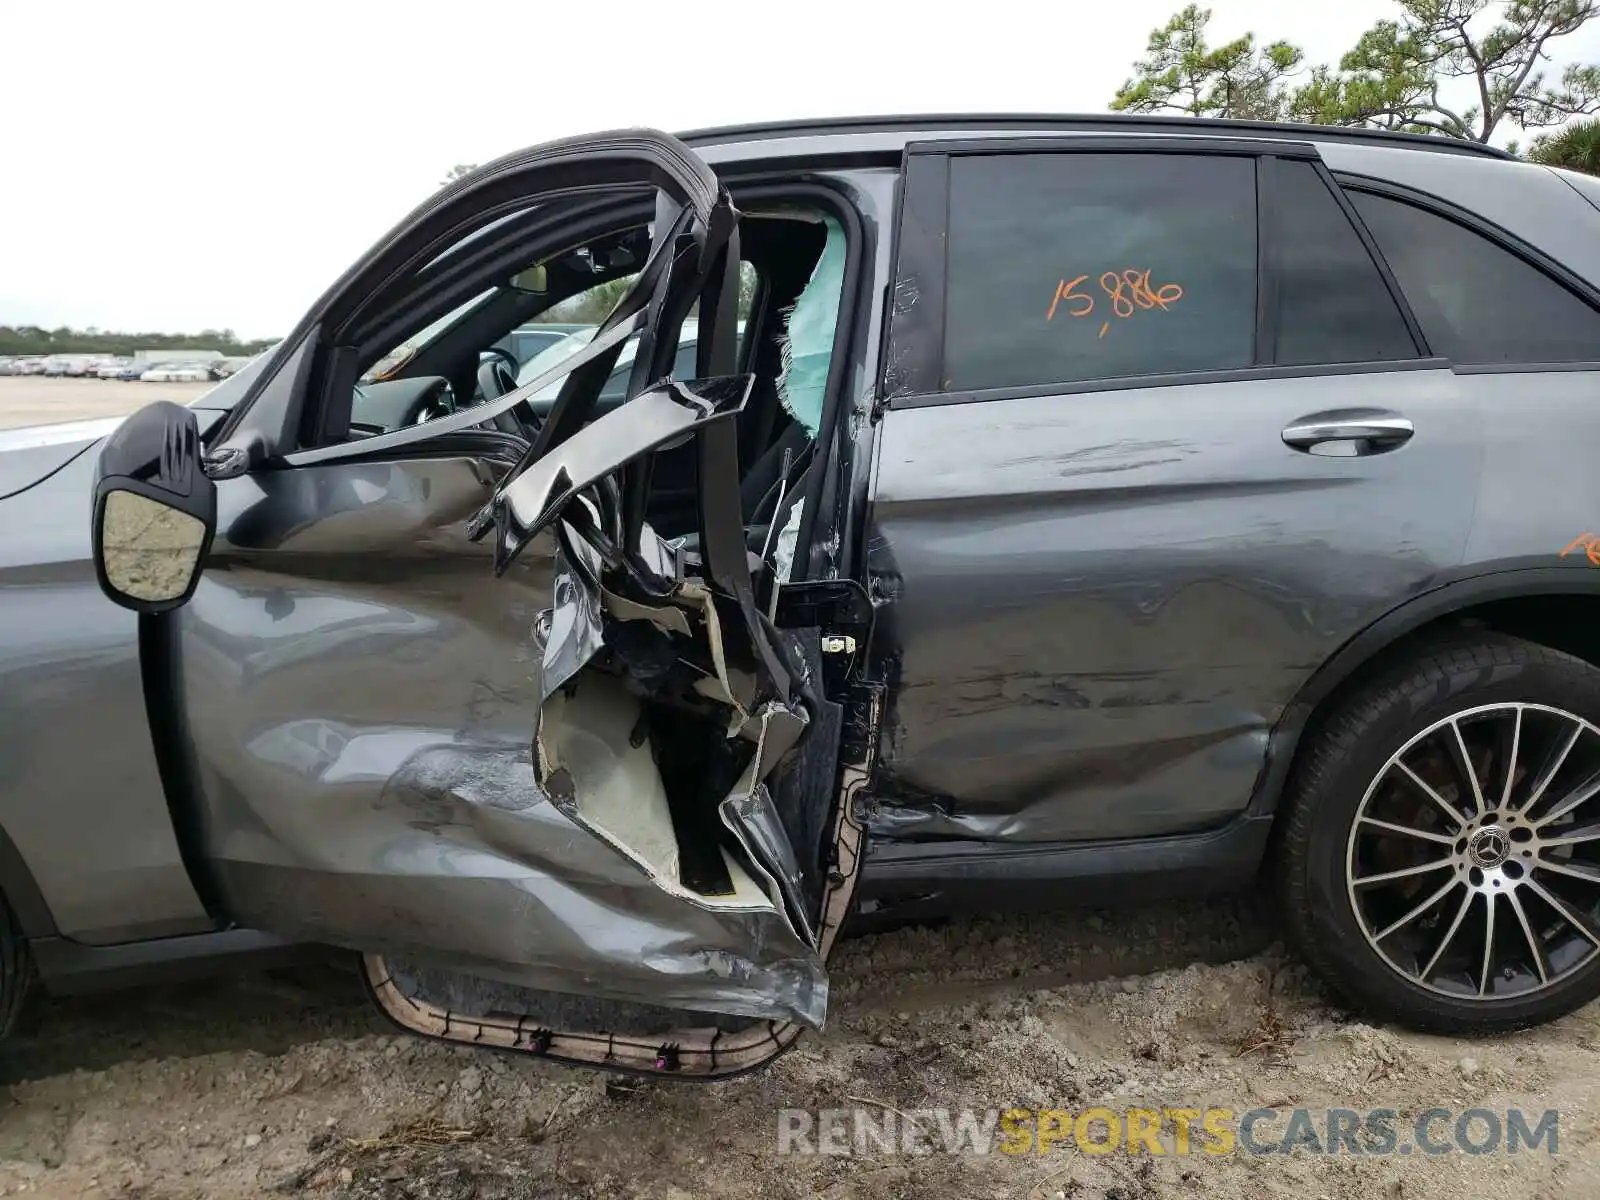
590,307
1181,72
593,306
1577,148
30,340
1402,74
1394,75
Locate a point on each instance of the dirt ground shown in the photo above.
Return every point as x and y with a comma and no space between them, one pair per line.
34,400
286,1084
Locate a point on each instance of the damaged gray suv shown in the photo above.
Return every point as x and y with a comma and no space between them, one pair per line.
950,512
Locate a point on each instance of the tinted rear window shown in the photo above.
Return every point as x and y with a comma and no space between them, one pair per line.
1071,267
1476,301
1333,305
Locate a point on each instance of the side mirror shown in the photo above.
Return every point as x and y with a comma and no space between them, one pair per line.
155,510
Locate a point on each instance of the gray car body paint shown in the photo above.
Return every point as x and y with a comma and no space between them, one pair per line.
352,668
363,748
311,801
1166,594
90,821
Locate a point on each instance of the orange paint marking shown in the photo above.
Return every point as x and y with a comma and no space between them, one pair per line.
1128,291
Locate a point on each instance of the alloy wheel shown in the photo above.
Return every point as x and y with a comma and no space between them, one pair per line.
1473,862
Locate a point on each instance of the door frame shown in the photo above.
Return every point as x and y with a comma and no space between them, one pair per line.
274,417
266,431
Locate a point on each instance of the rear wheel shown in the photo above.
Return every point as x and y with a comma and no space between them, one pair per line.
1440,862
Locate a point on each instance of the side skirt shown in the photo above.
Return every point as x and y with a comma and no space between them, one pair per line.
904,881
69,968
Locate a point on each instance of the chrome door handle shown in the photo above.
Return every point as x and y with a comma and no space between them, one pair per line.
1356,430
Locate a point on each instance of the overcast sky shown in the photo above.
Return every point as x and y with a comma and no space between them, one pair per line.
173,165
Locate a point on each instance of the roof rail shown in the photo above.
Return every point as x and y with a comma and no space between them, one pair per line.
1088,123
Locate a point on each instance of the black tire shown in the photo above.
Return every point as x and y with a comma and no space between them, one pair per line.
16,970
1332,775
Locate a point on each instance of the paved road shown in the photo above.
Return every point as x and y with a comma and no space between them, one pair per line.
33,400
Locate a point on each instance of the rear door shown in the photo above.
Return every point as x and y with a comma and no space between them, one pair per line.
1160,435
584,809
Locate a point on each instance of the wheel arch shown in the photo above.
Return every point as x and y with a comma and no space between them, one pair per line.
1539,604
22,893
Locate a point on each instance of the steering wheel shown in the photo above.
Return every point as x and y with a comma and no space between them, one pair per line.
497,374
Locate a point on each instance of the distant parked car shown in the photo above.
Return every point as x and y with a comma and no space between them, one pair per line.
29,366
176,373
615,386
529,340
114,368
7,366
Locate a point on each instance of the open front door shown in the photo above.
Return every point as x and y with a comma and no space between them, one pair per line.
443,695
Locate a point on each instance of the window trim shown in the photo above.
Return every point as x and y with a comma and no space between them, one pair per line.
831,457
913,354
1264,349
1122,383
1496,234
1176,143
1523,368
910,375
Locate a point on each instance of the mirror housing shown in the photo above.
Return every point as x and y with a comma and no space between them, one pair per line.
155,510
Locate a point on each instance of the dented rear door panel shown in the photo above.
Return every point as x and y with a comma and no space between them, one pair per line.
1096,607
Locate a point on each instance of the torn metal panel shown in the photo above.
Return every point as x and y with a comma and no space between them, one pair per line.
570,629
753,819
649,696
645,1039
512,890
597,756
363,745
561,784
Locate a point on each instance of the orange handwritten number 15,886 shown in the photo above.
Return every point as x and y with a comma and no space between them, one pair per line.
1128,292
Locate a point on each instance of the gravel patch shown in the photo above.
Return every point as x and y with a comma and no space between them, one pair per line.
286,1084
